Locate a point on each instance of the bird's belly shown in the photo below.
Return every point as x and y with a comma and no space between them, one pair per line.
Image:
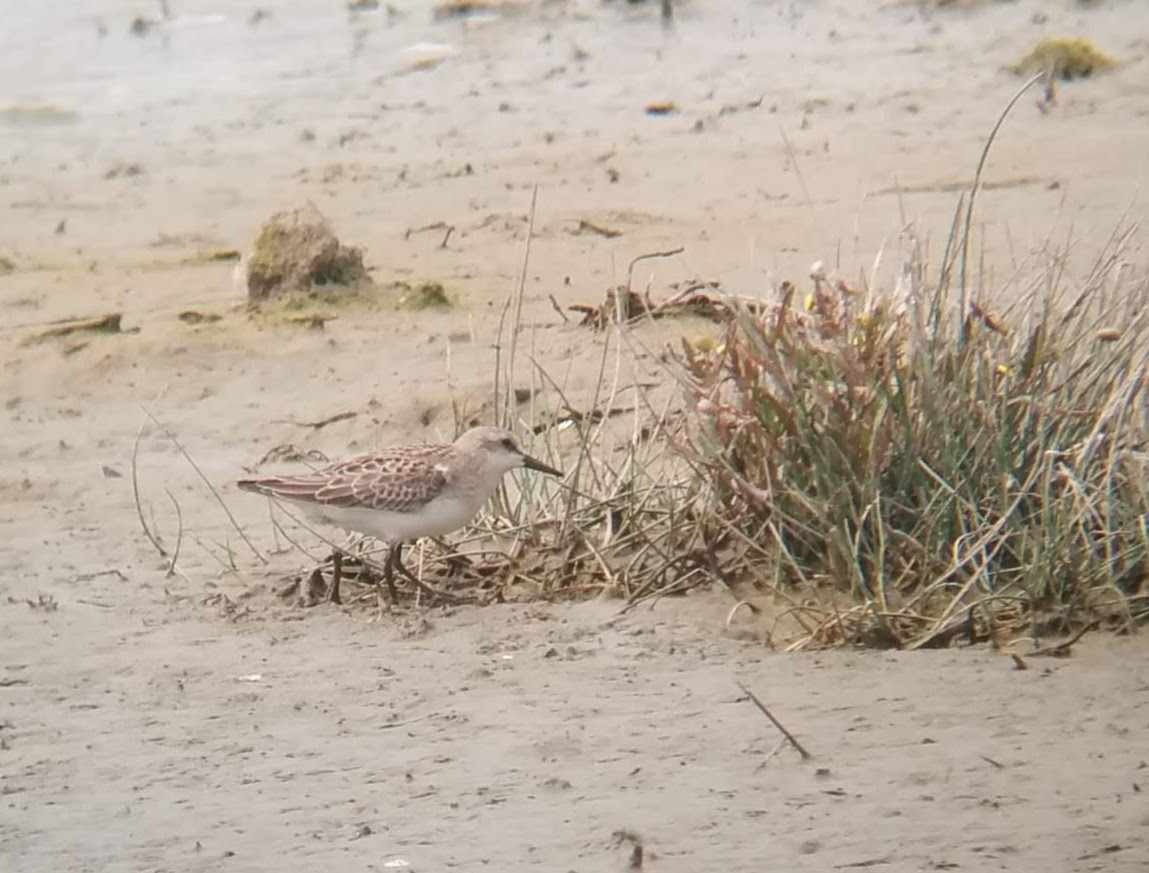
434,519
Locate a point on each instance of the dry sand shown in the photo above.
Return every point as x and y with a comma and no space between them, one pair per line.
193,723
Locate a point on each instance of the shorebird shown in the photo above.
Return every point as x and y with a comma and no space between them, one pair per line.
403,493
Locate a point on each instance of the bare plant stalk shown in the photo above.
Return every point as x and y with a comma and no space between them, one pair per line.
303,524
505,410
793,155
215,493
275,531
230,556
179,534
669,253
228,568
152,538
964,282
281,531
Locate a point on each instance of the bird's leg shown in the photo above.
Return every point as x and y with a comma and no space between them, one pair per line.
423,586
389,574
389,578
398,564
336,577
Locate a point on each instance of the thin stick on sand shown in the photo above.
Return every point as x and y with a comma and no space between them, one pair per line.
806,756
321,423
1063,649
153,538
179,535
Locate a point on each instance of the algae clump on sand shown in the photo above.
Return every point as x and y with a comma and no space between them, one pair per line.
296,250
423,295
1069,58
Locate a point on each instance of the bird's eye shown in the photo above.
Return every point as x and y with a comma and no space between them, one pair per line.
509,444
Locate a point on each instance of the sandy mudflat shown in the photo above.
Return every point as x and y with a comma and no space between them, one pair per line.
144,728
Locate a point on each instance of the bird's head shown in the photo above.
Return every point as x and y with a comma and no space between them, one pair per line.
502,450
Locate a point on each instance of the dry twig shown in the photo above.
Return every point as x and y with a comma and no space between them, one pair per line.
321,423
806,756
1064,649
585,226
669,253
110,323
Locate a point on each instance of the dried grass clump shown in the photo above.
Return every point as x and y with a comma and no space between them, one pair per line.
940,466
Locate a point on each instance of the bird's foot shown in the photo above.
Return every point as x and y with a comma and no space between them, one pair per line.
382,606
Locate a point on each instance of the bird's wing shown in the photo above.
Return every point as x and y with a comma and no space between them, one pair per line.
396,481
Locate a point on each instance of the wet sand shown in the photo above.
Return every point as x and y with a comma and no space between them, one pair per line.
134,732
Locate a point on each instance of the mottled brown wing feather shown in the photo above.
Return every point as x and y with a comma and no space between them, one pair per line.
396,481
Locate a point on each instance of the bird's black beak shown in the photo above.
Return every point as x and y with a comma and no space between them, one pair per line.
535,464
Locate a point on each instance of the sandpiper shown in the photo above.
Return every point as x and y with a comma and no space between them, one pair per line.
403,493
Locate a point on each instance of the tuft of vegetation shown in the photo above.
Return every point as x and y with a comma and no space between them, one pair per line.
936,467
901,467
